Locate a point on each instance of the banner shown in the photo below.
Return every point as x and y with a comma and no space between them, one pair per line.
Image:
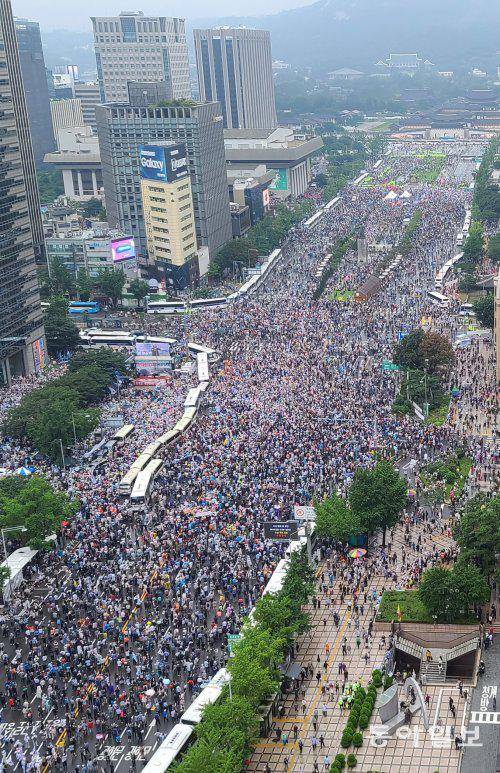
281,531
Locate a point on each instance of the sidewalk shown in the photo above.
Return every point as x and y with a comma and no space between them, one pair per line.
417,753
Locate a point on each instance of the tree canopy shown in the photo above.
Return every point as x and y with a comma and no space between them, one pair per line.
478,533
485,310
449,594
60,331
377,496
335,520
419,346
111,283
35,506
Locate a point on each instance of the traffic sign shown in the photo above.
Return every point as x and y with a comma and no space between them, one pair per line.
232,639
304,513
388,365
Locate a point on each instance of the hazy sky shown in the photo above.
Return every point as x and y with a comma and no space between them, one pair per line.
74,14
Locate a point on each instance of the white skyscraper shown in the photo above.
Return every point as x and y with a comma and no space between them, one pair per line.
134,47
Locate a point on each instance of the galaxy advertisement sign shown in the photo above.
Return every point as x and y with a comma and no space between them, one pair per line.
163,163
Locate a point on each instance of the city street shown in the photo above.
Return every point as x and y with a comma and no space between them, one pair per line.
123,625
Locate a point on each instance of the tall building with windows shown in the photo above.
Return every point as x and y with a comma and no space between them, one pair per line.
36,88
134,47
235,68
22,343
122,129
167,203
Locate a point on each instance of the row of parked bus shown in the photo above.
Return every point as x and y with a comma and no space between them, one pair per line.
180,738
96,337
182,307
463,234
138,482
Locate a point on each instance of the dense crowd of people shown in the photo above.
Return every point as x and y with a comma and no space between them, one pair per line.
297,401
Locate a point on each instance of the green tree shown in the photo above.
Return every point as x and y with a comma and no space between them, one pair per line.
92,208
321,180
377,496
254,672
62,334
90,383
111,283
417,347
470,585
485,310
478,533
60,280
449,595
50,185
435,592
232,724
38,508
40,401
84,284
104,359
4,575
494,248
334,519
407,353
473,248
437,350
206,756
138,288
49,429
281,616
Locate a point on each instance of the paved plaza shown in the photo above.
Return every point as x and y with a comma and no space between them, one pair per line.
413,750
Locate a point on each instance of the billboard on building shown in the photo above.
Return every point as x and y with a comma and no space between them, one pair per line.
163,163
280,182
123,249
39,354
266,198
152,349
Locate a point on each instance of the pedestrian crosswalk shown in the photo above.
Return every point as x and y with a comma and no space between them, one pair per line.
485,717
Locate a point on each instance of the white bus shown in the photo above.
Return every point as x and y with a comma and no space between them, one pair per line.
195,349
202,362
438,298
127,482
175,744
123,433
145,480
209,695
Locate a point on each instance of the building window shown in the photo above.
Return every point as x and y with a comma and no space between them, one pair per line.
219,77
231,76
207,80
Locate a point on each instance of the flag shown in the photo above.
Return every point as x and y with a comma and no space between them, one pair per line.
399,613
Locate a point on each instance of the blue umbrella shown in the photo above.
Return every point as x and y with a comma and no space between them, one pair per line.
25,471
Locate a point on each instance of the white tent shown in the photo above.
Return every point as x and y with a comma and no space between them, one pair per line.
390,196
406,195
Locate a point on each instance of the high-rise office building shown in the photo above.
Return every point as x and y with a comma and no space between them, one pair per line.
22,343
66,114
235,68
134,47
89,96
123,128
35,87
167,204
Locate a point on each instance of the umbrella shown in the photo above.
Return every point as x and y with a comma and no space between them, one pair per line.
25,471
357,553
